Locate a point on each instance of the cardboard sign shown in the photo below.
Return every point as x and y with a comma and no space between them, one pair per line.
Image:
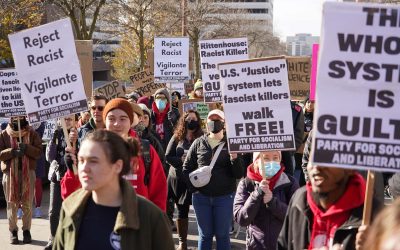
11,103
213,52
48,71
171,59
256,100
143,83
357,116
50,127
299,69
84,49
314,66
111,90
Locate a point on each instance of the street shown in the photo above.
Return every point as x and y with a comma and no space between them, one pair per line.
40,230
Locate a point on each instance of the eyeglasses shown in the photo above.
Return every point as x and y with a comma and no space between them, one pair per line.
99,108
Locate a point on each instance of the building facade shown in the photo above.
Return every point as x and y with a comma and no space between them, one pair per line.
300,44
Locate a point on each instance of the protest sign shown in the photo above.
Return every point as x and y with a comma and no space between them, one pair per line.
180,87
314,65
143,83
196,105
213,52
84,49
11,102
357,122
111,90
171,59
48,71
256,99
299,69
50,127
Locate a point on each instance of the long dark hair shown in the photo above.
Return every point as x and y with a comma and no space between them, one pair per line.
116,148
181,130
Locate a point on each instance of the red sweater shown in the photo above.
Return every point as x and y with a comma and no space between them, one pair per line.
156,191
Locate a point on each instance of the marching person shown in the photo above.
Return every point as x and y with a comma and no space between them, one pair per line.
108,203
55,153
164,116
261,203
325,212
119,115
187,130
213,203
18,164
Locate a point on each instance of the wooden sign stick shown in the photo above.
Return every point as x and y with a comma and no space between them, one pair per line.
66,136
369,195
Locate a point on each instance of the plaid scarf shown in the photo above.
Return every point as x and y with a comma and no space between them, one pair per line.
19,181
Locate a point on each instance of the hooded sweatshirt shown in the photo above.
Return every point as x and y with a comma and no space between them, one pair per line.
160,115
326,223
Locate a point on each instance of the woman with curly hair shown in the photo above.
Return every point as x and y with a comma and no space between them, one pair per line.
187,131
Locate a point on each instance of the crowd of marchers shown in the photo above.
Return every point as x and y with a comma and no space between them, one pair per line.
124,166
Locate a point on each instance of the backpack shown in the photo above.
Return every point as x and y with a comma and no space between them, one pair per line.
145,147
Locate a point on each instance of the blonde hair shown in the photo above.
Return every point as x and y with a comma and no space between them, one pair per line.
385,225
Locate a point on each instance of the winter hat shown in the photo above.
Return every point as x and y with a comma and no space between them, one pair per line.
163,91
198,84
136,109
144,100
145,109
119,103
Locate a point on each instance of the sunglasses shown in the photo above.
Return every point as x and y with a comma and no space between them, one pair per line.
99,108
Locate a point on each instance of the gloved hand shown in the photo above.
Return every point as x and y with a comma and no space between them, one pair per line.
172,116
70,158
22,147
17,153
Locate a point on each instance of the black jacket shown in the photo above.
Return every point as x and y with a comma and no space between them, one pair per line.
296,230
89,127
224,173
169,125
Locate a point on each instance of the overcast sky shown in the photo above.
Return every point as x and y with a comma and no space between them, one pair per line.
297,16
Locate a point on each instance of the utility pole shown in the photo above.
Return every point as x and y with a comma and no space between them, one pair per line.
184,18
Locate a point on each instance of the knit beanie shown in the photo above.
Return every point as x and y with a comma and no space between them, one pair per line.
144,100
145,109
119,103
198,84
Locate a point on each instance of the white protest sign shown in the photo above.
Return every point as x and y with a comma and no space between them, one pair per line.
357,115
171,59
213,52
180,87
50,127
48,71
256,101
11,102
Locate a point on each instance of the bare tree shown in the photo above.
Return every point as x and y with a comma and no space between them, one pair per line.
83,14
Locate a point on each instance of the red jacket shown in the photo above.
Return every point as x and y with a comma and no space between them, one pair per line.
156,191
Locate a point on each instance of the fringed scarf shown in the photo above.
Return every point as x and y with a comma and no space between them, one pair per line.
18,188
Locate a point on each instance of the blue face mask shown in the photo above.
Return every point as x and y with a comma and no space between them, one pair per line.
161,104
271,168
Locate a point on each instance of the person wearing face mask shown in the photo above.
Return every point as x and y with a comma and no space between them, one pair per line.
18,164
164,116
213,203
187,130
197,92
262,198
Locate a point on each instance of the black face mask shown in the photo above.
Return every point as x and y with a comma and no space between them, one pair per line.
215,126
192,125
23,123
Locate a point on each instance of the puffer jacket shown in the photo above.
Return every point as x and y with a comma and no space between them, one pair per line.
140,223
263,222
224,173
